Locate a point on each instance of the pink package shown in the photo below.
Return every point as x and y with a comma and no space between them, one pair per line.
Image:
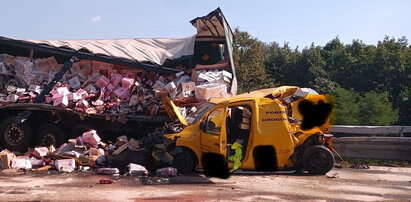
80,94
91,138
123,93
40,151
127,82
110,87
116,79
63,100
63,90
32,95
102,81
60,92
48,99
102,93
70,96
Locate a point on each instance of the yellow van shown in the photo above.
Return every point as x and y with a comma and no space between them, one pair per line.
267,123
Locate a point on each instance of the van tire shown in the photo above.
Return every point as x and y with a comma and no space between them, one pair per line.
185,161
318,160
50,134
15,137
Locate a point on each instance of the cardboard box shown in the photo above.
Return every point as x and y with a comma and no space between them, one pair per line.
123,93
213,90
101,67
102,81
74,82
6,159
35,88
36,162
7,59
21,162
65,165
188,86
116,79
40,152
127,82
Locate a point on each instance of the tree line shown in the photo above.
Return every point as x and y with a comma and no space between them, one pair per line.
371,84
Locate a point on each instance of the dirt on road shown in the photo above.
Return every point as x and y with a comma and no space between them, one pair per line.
346,184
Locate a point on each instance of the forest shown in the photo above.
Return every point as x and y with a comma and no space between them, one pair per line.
370,84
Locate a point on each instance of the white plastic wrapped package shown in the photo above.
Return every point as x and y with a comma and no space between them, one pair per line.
21,163
3,68
214,77
65,165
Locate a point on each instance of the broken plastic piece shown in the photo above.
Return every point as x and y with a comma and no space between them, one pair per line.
166,172
137,170
107,171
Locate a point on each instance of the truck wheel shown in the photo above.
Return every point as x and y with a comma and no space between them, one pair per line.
15,136
318,160
50,134
185,161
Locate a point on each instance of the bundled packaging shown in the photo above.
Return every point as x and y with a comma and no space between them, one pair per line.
21,162
212,90
65,165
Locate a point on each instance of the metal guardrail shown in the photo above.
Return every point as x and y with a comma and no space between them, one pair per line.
374,130
379,148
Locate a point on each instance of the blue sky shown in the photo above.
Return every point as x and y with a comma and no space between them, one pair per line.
298,22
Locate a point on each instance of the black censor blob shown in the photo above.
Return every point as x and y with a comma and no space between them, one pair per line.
215,165
314,114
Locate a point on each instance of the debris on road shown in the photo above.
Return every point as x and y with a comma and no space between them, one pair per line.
87,152
166,172
106,181
6,159
332,175
137,170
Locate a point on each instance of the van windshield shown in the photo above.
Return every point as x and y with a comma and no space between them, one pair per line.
203,108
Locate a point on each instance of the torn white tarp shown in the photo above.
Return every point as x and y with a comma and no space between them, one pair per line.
155,50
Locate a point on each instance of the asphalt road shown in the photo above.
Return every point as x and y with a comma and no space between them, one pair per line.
345,184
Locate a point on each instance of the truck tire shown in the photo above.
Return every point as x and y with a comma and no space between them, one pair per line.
185,161
318,160
13,136
50,134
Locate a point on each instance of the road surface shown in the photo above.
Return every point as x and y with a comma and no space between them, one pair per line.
346,184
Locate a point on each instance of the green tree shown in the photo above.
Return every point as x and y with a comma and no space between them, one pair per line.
346,107
370,108
249,57
375,109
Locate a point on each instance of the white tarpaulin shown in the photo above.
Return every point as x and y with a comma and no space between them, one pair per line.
143,50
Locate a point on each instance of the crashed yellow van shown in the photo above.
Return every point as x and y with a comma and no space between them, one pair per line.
269,125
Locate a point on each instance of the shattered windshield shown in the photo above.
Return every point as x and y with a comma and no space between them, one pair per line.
193,117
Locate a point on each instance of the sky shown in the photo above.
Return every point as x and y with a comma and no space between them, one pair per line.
299,23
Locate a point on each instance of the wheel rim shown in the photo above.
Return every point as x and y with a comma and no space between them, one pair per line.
48,139
319,160
14,135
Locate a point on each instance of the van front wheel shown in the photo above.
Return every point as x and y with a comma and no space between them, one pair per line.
185,161
318,160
